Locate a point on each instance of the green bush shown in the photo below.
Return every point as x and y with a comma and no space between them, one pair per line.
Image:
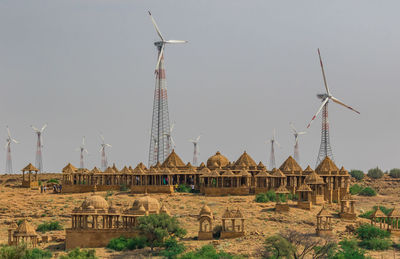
22,252
375,173
293,197
80,254
53,181
367,215
49,226
183,188
122,243
118,244
277,246
368,191
357,174
208,251
172,248
261,197
376,244
368,232
158,227
355,189
349,250
395,173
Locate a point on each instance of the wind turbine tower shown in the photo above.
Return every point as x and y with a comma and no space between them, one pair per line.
104,163
196,149
39,146
8,148
296,142
160,146
82,150
273,141
325,149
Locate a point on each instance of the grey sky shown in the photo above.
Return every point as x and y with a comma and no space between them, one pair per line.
250,66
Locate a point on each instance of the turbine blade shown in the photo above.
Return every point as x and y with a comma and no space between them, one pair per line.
302,133
8,131
160,56
319,110
15,141
323,74
172,127
155,26
172,142
44,126
101,149
198,138
348,107
108,145
293,128
176,41
85,150
102,137
83,141
34,128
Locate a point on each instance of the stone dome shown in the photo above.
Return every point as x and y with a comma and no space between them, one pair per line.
217,160
151,205
95,202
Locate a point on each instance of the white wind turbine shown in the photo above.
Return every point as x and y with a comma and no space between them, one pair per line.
8,150
103,145
161,44
273,141
82,150
296,142
325,149
196,149
170,139
39,145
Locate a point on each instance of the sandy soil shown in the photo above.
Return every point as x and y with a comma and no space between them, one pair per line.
261,220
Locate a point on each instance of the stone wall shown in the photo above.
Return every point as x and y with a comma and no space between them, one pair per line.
152,189
231,234
66,188
218,191
91,238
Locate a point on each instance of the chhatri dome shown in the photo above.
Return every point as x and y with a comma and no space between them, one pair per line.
217,160
151,205
95,202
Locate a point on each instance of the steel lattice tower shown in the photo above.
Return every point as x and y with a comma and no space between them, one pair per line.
159,143
325,149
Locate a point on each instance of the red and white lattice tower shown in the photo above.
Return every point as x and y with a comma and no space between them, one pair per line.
160,140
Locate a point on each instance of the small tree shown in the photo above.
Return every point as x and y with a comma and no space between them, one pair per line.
80,254
357,174
355,189
157,227
395,173
368,191
172,248
278,247
375,173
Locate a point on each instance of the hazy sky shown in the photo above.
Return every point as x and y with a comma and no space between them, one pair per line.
250,66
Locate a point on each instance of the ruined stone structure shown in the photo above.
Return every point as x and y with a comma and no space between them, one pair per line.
232,224
24,233
324,222
347,210
30,179
96,222
217,177
282,206
205,219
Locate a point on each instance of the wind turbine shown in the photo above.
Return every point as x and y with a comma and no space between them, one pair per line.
325,149
103,145
196,149
160,122
39,146
82,149
170,140
8,148
296,142
273,141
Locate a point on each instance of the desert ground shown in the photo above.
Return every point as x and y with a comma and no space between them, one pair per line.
261,220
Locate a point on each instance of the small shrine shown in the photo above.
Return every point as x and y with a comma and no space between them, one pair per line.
205,219
393,220
324,222
281,206
232,224
304,201
30,180
378,218
347,210
24,233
